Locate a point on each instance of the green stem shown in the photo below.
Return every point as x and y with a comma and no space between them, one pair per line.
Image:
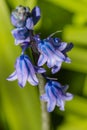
44,114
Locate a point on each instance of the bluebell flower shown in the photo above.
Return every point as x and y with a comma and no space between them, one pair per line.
20,33
25,71
23,17
55,95
50,55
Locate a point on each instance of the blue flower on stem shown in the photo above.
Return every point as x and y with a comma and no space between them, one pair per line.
25,71
51,55
55,95
51,51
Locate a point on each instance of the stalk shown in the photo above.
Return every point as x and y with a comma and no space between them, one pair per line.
45,116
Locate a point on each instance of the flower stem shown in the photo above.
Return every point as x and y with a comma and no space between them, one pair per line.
44,114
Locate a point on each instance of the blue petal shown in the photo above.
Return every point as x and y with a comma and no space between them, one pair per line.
60,104
39,69
22,72
32,80
12,77
51,61
14,21
68,97
62,46
20,33
36,14
56,84
42,60
56,68
52,100
67,60
29,23
60,55
56,91
68,48
31,76
53,57
44,97
48,45
17,42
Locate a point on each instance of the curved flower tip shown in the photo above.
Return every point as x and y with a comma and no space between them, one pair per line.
39,69
25,71
36,14
55,95
23,42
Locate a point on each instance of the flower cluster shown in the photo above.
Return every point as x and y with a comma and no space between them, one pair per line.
24,21
49,51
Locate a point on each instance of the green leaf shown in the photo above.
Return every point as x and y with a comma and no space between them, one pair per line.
29,3
79,60
85,87
77,106
21,107
71,5
76,34
73,122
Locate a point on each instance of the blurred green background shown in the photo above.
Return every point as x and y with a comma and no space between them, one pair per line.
20,108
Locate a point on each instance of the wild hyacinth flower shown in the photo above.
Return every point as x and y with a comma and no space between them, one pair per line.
51,51
24,21
52,56
55,95
20,33
25,71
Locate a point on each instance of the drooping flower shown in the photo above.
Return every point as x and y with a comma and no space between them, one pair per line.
55,95
52,56
20,33
25,71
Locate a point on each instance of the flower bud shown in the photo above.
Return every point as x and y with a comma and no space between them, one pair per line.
19,16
